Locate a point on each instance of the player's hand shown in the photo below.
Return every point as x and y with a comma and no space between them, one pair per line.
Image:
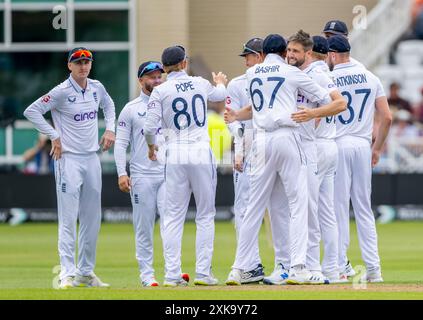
107,140
230,115
124,184
375,157
303,115
220,78
239,163
56,149
152,148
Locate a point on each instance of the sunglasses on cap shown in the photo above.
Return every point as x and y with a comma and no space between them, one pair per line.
249,49
81,54
152,66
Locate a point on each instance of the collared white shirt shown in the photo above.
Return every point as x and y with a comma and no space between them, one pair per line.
180,104
319,72
274,87
239,97
360,88
130,132
75,114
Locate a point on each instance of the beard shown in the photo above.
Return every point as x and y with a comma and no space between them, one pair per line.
149,87
296,63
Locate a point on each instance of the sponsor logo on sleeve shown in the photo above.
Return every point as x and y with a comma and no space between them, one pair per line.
95,97
46,99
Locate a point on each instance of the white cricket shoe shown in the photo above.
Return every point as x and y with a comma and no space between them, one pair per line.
253,276
175,283
317,277
66,283
372,277
278,276
89,281
348,270
298,275
234,278
206,281
335,278
149,282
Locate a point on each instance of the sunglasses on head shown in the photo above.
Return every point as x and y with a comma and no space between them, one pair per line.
82,53
250,50
150,67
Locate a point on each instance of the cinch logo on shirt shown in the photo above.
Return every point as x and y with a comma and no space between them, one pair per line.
159,131
86,116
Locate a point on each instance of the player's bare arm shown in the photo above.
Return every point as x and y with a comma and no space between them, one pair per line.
337,105
245,113
384,117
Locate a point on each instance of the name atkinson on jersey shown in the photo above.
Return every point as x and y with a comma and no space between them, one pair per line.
351,79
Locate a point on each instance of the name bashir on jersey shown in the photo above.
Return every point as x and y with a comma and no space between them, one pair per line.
267,69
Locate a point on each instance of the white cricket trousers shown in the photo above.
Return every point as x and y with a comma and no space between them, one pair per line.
279,215
242,195
276,156
327,154
78,187
148,199
313,246
190,168
353,181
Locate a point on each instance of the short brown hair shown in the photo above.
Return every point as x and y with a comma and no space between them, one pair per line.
319,56
302,38
174,68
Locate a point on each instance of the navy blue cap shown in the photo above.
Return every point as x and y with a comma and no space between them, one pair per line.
173,55
336,27
254,45
274,43
320,45
339,44
149,66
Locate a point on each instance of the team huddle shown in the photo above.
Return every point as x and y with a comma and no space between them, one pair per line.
308,122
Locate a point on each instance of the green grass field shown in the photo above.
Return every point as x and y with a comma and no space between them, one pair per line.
28,255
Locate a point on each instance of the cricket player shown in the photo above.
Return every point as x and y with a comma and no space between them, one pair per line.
238,97
146,183
74,106
300,49
242,132
357,155
179,106
333,28
273,87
